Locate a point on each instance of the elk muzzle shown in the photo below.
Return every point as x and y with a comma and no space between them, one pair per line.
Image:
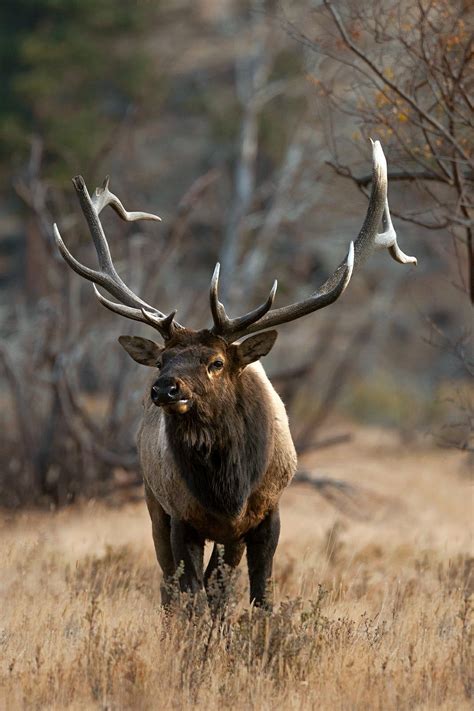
171,394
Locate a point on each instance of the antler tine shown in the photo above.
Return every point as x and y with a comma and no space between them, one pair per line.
165,325
228,327
91,213
217,308
359,251
388,239
131,306
103,197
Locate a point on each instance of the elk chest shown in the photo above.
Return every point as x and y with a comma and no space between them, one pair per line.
243,496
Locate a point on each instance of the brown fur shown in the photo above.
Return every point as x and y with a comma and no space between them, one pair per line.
160,471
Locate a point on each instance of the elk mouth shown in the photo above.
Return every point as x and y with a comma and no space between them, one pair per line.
178,407
171,395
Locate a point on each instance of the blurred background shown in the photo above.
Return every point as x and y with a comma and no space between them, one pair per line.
245,126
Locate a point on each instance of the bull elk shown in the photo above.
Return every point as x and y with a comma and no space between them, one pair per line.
214,443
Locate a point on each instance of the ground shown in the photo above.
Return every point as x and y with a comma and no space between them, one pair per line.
372,600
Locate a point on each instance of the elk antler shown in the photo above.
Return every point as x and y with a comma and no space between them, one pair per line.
224,325
131,305
368,239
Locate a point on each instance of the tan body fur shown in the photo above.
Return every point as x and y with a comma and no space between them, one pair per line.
164,481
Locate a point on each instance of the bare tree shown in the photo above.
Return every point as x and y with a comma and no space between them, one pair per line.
400,70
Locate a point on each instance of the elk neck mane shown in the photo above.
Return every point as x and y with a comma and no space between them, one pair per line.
222,452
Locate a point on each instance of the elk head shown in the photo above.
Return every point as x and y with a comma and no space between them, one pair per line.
190,361
197,369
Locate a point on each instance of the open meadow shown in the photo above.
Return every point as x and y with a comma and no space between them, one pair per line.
372,600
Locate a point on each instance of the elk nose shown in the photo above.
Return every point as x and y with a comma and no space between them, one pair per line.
165,391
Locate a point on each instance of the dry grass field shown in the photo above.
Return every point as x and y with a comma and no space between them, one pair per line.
372,601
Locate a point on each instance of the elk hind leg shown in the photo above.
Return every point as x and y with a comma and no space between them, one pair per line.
218,577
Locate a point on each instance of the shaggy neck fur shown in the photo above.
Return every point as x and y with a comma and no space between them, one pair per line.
222,451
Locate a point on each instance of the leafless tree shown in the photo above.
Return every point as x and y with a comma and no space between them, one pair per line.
403,71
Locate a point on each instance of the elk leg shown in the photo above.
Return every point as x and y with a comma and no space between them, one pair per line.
188,549
161,530
261,546
216,580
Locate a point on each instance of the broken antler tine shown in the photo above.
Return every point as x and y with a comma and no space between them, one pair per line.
104,188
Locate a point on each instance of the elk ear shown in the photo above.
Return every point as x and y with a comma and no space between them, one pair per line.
142,350
255,347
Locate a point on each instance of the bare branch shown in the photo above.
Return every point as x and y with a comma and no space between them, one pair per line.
429,118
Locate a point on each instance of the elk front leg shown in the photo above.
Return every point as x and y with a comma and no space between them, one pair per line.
261,546
161,530
188,549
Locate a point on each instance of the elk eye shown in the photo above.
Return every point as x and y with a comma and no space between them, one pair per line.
158,364
216,365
